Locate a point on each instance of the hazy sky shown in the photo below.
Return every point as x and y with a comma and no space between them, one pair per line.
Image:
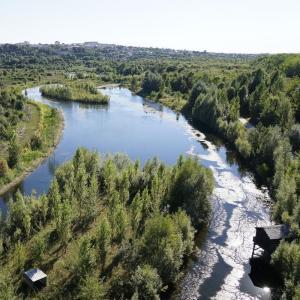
251,26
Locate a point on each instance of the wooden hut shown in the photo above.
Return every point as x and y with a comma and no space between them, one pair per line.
268,238
35,278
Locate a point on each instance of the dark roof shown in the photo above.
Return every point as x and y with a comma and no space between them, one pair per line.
276,232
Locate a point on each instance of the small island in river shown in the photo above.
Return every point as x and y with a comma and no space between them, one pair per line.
79,92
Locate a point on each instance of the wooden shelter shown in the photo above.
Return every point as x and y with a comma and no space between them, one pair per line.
268,238
35,278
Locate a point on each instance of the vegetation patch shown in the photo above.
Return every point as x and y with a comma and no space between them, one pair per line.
107,229
79,92
27,140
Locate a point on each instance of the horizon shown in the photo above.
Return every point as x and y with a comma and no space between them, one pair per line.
251,27
60,43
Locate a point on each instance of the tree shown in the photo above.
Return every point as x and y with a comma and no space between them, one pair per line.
3,168
64,222
158,191
90,205
286,260
54,199
104,239
14,153
19,218
123,187
86,258
199,88
184,225
146,282
36,142
192,186
243,97
44,207
119,284
109,176
91,289
136,208
39,245
7,289
80,189
162,247
152,82
20,256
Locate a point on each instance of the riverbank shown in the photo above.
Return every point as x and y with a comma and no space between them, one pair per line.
51,125
109,85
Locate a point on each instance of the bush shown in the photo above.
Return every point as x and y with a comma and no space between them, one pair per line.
3,168
36,142
14,153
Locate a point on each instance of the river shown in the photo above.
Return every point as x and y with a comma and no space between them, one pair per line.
144,129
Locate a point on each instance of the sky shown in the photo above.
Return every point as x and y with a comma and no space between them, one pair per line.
235,26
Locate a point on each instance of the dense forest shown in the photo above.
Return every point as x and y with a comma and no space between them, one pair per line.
79,92
107,228
253,102
268,97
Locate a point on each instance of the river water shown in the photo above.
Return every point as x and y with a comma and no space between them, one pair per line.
144,129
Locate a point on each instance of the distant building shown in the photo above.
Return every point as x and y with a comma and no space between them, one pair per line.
35,278
91,44
25,43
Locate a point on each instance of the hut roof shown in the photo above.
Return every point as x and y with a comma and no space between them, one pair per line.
35,274
276,232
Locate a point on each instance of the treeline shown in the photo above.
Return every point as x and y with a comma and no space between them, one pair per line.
24,56
107,228
78,91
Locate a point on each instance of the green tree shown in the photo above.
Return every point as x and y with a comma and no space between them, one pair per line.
162,247
80,189
39,246
136,208
54,198
191,189
19,216
146,282
86,258
152,82
91,289
14,153
64,223
90,205
20,256
104,239
3,168
7,289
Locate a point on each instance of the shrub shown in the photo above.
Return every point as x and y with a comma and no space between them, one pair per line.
3,168
36,142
